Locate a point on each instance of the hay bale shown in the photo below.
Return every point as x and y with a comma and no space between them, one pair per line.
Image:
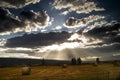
64,66
26,71
95,64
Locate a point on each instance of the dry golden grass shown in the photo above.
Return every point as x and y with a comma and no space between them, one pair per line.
78,72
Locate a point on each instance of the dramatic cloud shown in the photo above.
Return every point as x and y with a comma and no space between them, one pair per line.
34,20
20,55
109,33
8,22
41,39
29,21
84,41
16,3
106,34
2,42
96,37
73,22
18,52
76,28
63,45
94,25
79,6
66,51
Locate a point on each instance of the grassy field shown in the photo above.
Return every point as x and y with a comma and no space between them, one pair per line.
106,71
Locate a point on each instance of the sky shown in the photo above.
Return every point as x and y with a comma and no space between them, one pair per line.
60,29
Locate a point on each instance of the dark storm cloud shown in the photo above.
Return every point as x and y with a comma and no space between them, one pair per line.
109,33
16,3
106,35
41,18
74,22
7,21
41,39
29,21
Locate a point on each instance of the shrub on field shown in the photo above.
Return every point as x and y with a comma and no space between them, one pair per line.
26,70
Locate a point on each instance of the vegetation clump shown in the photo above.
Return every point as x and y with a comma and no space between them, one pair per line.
75,61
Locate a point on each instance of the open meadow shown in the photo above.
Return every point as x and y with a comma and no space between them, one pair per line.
103,71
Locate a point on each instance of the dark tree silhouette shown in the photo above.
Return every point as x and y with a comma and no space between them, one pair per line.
79,61
73,61
43,61
97,60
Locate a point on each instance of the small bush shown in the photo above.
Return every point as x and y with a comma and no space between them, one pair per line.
26,71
